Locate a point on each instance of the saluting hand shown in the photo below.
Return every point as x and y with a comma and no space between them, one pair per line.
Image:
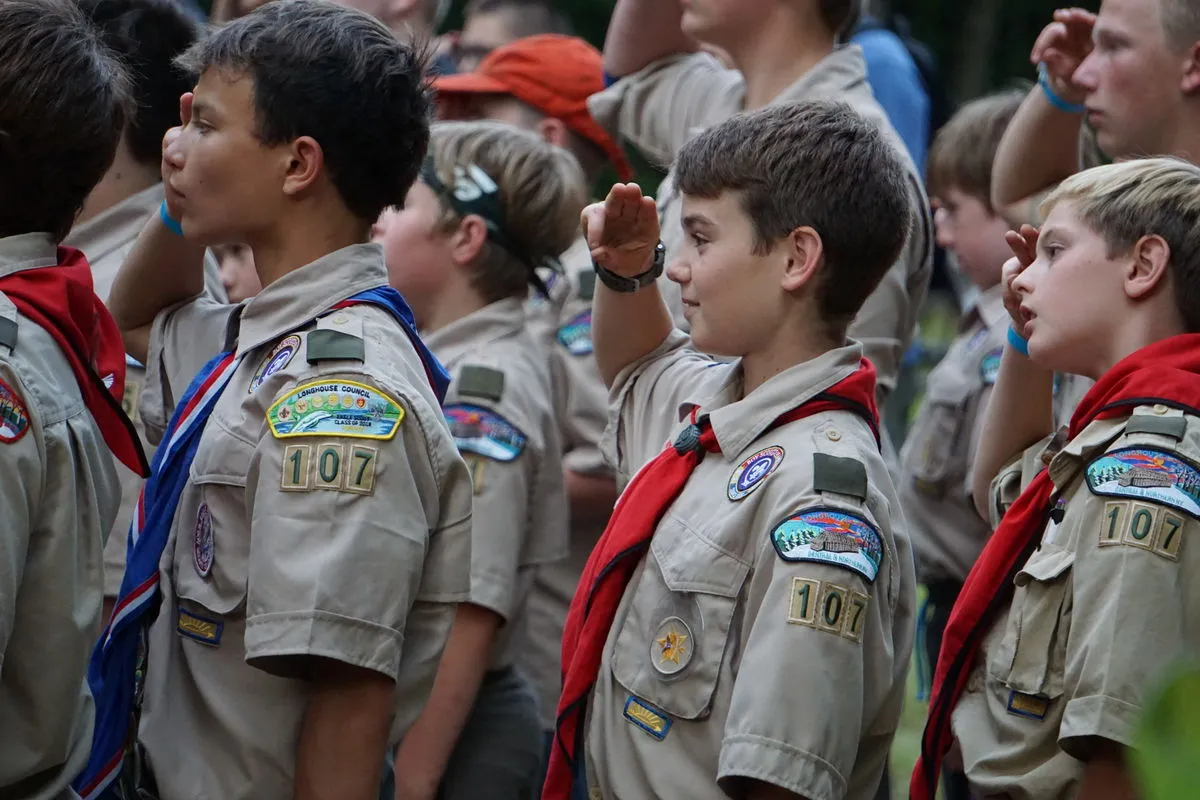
1023,243
168,167
1062,46
622,232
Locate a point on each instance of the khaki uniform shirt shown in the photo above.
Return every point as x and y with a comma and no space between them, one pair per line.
581,400
501,414
59,498
767,633
1100,610
300,532
669,102
106,240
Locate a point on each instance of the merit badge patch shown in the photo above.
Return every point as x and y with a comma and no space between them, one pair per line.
576,335
830,537
276,360
202,542
14,419
202,629
989,366
753,471
484,433
647,717
672,646
335,408
1148,474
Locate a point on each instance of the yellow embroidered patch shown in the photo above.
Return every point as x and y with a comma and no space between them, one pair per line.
202,629
335,408
647,717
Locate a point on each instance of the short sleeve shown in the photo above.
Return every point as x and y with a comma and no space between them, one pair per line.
22,469
348,533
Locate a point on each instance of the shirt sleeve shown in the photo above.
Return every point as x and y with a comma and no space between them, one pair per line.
348,533
22,470
658,108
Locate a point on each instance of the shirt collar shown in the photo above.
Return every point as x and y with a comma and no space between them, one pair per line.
27,251
738,421
835,74
1089,443
499,320
307,292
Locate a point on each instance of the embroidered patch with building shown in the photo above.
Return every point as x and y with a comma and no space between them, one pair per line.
276,360
989,366
753,471
1027,705
202,629
831,537
576,335
14,418
1147,474
647,717
335,408
484,432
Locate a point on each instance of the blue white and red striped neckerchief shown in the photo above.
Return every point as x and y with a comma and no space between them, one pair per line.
117,669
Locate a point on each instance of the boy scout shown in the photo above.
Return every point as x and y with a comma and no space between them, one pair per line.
1080,599
666,93
148,35
318,535
58,347
492,205
542,84
781,562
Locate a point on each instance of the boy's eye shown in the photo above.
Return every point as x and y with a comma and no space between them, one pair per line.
699,241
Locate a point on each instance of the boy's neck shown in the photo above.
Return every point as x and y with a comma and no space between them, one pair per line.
1135,334
779,56
449,307
125,178
302,239
787,349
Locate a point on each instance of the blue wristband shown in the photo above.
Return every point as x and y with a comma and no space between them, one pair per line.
1018,342
172,224
1055,100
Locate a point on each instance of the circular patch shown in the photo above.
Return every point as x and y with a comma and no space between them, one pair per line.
276,360
672,647
753,471
202,542
14,418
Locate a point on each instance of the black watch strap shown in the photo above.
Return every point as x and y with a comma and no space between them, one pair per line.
619,283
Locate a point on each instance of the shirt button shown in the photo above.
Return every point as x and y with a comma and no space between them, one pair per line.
1159,409
834,435
338,319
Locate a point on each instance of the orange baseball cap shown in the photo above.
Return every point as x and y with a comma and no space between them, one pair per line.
553,73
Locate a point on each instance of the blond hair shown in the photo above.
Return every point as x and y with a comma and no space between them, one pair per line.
1126,201
541,191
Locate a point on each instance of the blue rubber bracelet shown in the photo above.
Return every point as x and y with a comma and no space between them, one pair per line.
1018,342
172,224
1055,100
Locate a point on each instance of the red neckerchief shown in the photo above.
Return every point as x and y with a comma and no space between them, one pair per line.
617,554
1166,372
62,301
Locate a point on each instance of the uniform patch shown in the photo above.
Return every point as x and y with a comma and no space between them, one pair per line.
1142,525
484,432
329,465
989,366
14,419
830,537
1147,474
202,629
753,471
647,717
828,607
202,541
335,408
276,360
576,335
1027,705
672,646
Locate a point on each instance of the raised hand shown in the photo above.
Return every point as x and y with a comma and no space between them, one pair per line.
1062,46
169,138
622,231
1023,243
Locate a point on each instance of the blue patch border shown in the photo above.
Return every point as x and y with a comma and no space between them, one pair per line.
817,509
635,700
1026,714
180,611
573,322
1155,500
468,446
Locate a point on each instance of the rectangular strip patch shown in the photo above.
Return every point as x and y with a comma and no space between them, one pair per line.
202,629
647,717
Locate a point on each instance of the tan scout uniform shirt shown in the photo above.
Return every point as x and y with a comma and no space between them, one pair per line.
581,401
748,645
669,102
106,240
58,501
501,414
313,544
1100,610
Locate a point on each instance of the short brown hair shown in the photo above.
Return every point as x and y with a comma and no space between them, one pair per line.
63,104
1145,197
962,153
817,164
840,16
541,190
1181,22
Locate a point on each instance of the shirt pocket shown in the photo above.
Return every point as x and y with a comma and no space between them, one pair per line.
1031,658
939,454
673,642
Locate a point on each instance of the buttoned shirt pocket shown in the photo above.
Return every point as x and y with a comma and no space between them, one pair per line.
938,458
672,644
1031,657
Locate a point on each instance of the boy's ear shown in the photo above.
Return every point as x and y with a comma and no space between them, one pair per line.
469,240
304,165
1151,257
1190,81
553,131
805,253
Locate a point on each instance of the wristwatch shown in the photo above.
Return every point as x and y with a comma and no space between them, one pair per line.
619,283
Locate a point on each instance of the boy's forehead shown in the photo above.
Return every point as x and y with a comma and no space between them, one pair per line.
724,209
224,89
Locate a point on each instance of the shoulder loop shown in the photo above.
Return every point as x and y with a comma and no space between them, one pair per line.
337,337
479,381
1158,422
8,323
839,475
587,284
